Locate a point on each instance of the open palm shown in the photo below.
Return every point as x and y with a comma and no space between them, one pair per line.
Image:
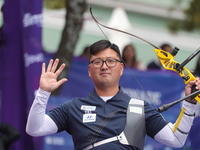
48,79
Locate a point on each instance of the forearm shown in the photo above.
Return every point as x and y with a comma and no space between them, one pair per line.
175,135
40,124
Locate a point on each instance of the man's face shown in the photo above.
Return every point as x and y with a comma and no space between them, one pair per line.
105,76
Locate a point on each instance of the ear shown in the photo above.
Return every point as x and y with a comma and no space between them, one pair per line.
89,71
122,69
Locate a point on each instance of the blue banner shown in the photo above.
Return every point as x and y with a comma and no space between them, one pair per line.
32,48
156,87
31,11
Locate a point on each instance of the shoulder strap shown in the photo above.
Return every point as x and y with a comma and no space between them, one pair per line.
135,130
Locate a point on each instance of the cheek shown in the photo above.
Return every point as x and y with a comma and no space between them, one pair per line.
118,72
91,72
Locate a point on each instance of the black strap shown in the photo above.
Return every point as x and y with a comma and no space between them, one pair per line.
189,114
182,131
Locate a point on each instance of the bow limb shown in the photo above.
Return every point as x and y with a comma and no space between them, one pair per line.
120,30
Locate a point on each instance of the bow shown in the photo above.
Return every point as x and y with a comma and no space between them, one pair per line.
168,62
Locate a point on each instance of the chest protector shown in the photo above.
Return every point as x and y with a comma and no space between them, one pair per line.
135,130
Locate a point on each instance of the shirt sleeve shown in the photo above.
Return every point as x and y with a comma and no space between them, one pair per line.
38,123
175,135
154,120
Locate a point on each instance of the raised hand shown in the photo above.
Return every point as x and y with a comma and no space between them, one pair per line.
188,88
48,78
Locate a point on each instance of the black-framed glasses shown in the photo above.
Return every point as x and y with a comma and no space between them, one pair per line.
110,62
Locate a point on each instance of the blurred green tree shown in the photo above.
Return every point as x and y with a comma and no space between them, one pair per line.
70,34
192,18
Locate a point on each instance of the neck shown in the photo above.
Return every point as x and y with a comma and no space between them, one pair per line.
107,91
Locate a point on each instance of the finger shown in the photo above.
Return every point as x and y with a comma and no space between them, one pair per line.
43,68
197,83
54,66
197,80
190,84
49,65
60,69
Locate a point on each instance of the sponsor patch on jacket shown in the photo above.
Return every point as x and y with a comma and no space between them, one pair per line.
88,108
89,118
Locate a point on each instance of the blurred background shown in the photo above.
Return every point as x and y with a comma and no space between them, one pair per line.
149,19
34,31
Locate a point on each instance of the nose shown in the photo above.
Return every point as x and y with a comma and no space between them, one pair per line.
104,65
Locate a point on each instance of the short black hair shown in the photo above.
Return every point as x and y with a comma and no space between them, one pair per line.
101,45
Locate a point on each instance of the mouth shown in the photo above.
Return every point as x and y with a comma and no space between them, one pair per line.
104,73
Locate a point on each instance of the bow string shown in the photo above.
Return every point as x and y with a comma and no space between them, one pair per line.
166,59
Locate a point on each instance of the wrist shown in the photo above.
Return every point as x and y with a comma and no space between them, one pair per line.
192,101
43,93
189,107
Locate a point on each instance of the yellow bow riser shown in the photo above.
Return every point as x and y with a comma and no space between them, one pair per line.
168,62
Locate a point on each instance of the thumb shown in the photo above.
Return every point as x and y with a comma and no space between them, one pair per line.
61,81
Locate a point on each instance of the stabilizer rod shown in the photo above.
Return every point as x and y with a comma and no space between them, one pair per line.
179,67
165,107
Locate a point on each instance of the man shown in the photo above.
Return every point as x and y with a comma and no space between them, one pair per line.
101,120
